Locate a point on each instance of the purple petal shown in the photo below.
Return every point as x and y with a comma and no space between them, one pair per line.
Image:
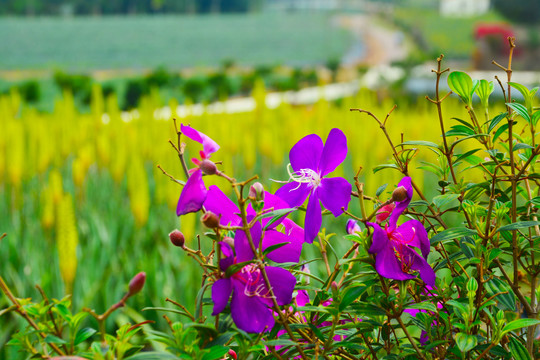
334,152
414,234
406,182
241,243
193,195
388,266
313,220
282,282
220,204
306,153
227,258
274,202
286,253
221,290
209,145
294,193
335,194
302,298
419,264
293,230
250,313
380,239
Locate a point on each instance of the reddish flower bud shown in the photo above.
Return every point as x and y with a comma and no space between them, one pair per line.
232,354
335,287
256,191
353,227
136,284
229,240
399,194
384,212
210,220
208,167
177,238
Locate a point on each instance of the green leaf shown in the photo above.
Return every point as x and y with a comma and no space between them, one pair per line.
518,324
441,200
497,286
216,352
484,90
385,166
276,215
153,355
234,268
520,110
421,143
518,350
274,247
466,342
535,117
380,189
461,84
500,131
64,312
497,119
518,225
535,201
464,155
352,294
418,203
520,146
83,334
280,342
51,339
450,234
424,305
459,130
522,89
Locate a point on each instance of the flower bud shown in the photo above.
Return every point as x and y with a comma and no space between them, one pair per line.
210,220
136,284
400,194
335,287
232,354
353,227
177,238
208,167
256,191
229,240
384,212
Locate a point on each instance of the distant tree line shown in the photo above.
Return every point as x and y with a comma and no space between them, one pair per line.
109,7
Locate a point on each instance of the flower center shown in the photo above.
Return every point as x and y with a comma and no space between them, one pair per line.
399,244
253,280
304,176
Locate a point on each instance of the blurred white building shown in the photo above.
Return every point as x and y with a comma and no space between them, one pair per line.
464,7
303,4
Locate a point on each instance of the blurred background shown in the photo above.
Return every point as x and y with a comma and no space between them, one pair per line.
88,91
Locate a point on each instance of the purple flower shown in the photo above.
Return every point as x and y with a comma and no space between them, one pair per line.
229,214
394,245
194,192
353,227
310,162
251,299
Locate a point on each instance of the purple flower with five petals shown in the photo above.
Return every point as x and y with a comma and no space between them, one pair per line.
311,161
229,215
251,299
194,192
394,245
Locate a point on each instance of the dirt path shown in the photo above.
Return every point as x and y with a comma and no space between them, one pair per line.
375,44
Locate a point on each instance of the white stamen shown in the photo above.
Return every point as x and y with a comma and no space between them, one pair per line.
303,176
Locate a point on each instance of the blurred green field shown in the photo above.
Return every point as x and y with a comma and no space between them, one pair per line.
89,43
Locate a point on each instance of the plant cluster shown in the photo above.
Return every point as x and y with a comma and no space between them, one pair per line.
454,276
